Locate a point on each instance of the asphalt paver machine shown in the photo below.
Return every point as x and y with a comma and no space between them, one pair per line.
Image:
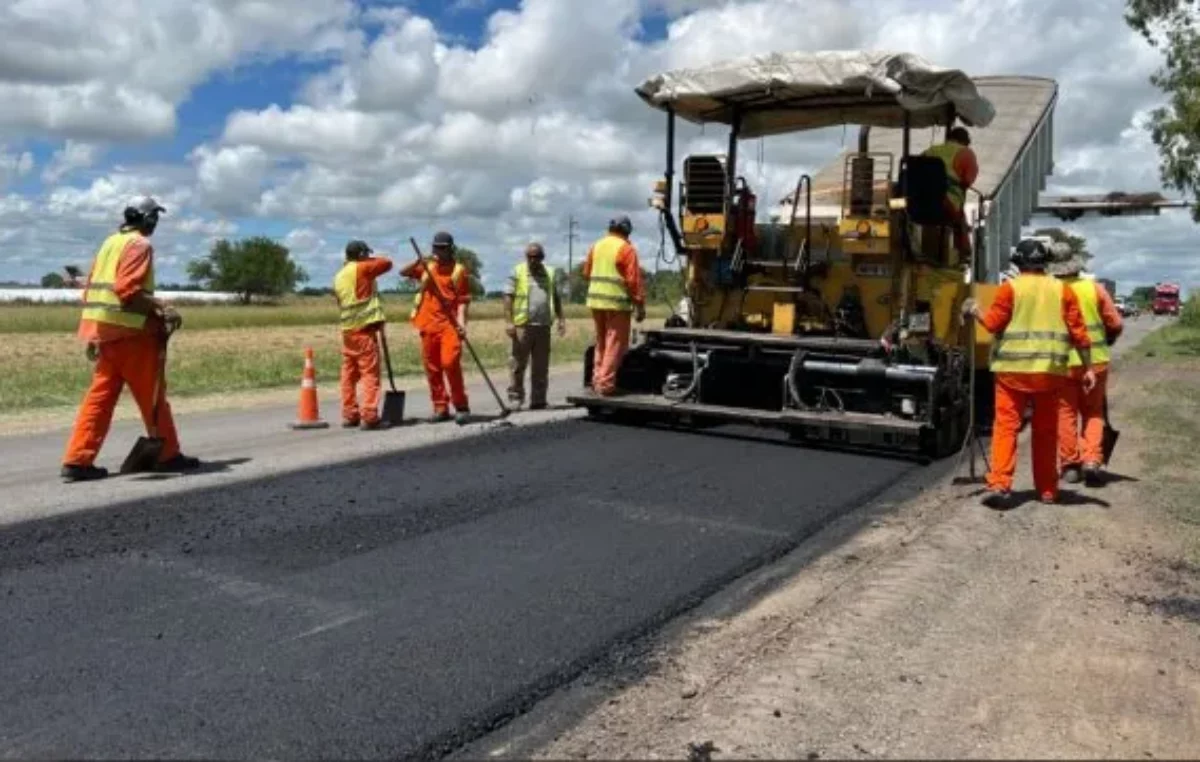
837,321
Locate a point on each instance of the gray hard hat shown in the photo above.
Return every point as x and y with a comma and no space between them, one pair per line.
357,249
443,240
1030,253
142,211
621,223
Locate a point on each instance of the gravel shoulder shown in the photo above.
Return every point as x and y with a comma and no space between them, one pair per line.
926,625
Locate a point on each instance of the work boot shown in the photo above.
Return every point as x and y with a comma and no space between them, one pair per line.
1071,474
1049,498
1091,475
180,462
376,425
463,417
538,406
351,424
441,417
998,499
72,473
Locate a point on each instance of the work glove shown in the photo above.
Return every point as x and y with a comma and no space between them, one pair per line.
172,320
511,331
968,307
462,332
639,312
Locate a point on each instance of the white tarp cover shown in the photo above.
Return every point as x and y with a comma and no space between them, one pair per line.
783,92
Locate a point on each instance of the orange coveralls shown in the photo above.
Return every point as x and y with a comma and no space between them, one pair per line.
126,356
1015,390
1075,447
360,351
441,348
613,326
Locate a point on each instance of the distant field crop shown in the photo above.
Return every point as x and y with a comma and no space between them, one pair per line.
231,348
297,311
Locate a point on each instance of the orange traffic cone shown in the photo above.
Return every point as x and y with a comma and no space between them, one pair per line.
308,416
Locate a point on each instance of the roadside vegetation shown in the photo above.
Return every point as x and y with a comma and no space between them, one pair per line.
1161,389
233,348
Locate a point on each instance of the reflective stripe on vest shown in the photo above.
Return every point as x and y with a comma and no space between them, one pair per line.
1089,306
521,292
355,313
946,152
606,287
100,302
1036,339
455,276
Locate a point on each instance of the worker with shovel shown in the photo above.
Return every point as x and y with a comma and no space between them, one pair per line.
361,320
1081,453
126,330
440,316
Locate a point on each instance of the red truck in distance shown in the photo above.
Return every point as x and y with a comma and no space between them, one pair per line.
1166,299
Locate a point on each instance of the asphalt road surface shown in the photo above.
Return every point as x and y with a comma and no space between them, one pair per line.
345,594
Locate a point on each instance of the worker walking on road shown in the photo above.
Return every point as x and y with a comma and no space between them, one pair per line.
1080,453
962,169
615,290
1035,320
360,315
531,301
125,328
442,333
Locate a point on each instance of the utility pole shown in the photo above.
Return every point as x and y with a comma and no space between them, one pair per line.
572,223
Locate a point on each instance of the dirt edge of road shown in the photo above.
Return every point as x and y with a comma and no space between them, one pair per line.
925,625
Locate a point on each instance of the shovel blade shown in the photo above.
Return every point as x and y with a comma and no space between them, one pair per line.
393,408
143,456
1108,442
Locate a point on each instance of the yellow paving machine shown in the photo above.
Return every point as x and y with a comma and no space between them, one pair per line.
838,320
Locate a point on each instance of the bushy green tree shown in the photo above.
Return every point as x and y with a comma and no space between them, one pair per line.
251,267
1171,27
53,280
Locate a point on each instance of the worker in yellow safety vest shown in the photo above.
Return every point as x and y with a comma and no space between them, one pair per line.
361,318
125,328
615,292
531,302
962,169
1080,453
1035,321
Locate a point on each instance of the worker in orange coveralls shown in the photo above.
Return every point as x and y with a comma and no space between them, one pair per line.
1083,451
1035,320
361,318
615,290
125,328
442,333
962,169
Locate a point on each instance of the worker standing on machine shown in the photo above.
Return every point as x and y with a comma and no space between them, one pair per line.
615,289
360,315
1080,453
531,302
1035,320
962,169
125,328
442,333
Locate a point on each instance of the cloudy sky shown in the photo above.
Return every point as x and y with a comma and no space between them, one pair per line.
317,120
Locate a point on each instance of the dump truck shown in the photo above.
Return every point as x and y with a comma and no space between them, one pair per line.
838,319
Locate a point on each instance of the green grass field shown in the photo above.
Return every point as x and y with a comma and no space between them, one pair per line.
232,348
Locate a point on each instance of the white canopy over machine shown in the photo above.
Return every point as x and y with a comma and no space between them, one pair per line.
776,93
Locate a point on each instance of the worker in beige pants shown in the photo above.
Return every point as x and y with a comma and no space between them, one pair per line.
531,300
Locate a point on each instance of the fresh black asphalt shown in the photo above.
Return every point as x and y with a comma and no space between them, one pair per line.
388,607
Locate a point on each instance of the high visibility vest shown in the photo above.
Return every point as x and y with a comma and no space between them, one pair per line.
521,293
1089,304
355,313
455,278
100,302
946,152
1036,338
606,287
